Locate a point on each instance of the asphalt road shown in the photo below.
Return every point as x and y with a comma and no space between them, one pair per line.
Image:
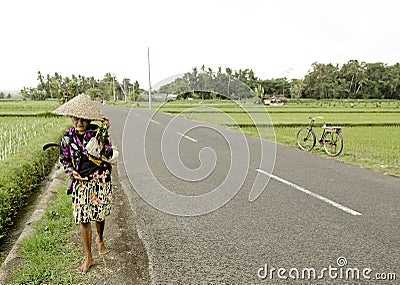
308,219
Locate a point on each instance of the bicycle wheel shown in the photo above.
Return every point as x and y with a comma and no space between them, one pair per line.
306,139
333,143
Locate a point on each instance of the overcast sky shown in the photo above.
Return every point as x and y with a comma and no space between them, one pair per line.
275,38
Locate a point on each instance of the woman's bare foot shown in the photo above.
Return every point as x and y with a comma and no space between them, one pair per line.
101,247
85,266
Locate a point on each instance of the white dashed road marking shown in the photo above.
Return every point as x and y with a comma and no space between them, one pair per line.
312,194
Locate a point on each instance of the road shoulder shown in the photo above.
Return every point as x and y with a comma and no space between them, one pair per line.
127,262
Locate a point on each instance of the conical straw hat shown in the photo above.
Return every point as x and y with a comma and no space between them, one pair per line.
80,106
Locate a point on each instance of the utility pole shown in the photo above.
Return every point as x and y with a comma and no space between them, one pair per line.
148,63
113,87
123,88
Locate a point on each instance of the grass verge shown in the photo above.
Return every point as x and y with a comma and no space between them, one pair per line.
52,253
27,164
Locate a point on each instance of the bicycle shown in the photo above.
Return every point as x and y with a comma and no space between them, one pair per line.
331,138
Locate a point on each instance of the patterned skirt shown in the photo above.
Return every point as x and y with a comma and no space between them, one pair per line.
91,200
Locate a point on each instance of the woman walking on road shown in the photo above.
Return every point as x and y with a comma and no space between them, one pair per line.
90,175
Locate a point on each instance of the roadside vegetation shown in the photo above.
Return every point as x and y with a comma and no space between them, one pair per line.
50,255
23,108
23,163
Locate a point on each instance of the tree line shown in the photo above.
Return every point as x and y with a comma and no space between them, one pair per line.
58,87
352,80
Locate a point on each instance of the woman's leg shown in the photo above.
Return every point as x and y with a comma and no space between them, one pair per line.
99,240
86,233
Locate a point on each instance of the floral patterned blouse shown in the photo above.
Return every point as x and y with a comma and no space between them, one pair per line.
74,156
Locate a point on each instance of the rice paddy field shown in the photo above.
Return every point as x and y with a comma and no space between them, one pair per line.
27,108
19,133
24,128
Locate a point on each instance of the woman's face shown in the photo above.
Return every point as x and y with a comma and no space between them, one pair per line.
80,124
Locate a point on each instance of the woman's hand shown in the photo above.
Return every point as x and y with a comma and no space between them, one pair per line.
106,122
77,176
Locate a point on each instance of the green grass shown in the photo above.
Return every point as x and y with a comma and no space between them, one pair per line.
50,255
287,119
19,133
23,107
25,127
302,105
23,163
374,147
344,119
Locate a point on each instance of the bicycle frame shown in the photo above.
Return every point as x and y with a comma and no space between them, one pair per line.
331,138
